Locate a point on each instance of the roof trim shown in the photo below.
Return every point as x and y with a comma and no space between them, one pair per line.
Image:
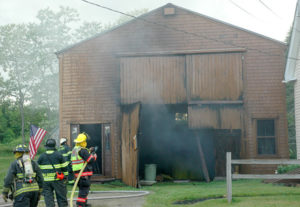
183,52
169,4
294,45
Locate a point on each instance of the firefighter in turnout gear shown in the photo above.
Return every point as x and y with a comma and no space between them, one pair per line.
24,179
66,151
80,155
54,169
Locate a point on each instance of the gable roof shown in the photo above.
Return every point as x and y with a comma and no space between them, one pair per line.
141,18
291,63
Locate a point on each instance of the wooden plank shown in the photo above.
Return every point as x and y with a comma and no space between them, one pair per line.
216,102
266,162
202,158
130,125
214,77
228,177
215,117
266,176
161,80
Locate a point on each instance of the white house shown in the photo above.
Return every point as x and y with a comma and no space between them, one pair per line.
292,71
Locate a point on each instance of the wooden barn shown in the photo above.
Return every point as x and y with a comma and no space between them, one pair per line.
175,88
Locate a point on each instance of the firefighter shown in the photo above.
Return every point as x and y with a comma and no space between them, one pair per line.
24,179
80,155
54,169
66,152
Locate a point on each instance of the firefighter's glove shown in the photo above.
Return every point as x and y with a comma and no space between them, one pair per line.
5,196
95,156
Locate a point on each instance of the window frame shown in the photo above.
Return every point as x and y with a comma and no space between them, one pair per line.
270,137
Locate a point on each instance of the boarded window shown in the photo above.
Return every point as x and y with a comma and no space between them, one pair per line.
266,143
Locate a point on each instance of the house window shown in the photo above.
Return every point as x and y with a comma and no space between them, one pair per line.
266,144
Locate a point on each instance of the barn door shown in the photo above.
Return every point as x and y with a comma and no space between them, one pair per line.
130,125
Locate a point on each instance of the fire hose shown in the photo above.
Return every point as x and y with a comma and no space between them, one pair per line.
75,184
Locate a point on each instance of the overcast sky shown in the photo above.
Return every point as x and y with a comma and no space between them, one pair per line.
272,18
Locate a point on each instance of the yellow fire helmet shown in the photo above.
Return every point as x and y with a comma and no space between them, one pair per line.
80,138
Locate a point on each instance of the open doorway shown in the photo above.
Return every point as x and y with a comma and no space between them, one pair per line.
95,140
166,140
226,141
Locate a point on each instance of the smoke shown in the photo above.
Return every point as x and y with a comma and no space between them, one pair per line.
169,143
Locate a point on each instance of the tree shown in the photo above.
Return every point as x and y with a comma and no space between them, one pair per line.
87,30
27,56
290,108
16,54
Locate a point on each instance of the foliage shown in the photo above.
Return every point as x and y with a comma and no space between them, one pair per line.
281,169
291,119
30,68
87,30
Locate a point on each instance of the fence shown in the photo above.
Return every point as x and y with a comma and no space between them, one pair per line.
230,176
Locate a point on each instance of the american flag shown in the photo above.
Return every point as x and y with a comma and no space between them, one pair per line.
36,137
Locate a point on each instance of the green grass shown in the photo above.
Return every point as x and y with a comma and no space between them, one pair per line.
5,160
246,193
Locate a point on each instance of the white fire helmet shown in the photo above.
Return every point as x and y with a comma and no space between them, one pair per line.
63,140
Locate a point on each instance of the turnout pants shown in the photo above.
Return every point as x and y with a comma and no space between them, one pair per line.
84,188
30,199
60,189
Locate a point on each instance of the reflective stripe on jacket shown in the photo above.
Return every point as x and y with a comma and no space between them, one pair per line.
27,188
15,176
80,156
58,162
77,161
66,152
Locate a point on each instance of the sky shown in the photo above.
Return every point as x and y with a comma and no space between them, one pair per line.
272,18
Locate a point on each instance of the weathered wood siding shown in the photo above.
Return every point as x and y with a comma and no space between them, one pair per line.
215,117
130,126
214,76
153,80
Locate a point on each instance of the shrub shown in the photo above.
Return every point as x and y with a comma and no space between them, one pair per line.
281,169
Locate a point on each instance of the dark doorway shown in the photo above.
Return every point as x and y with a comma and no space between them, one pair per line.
166,140
226,141
95,140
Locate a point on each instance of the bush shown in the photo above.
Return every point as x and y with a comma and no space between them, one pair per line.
281,169
8,135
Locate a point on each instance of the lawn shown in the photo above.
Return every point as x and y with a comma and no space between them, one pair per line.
246,193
